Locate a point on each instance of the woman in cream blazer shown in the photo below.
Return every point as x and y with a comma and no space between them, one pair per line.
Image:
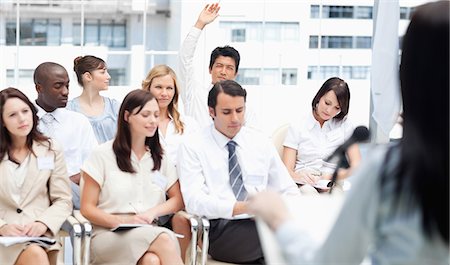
35,195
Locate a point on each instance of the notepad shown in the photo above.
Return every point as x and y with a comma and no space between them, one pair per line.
125,227
12,240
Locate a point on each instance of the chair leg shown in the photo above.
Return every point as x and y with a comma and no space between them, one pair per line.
194,232
205,243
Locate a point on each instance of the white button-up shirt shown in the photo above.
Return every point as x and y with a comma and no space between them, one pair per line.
314,144
74,132
172,140
195,94
203,170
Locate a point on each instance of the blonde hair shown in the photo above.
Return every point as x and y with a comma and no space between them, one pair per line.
159,71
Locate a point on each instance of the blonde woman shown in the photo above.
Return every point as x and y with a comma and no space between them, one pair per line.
162,82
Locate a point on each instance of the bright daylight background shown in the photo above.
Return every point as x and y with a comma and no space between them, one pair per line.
288,48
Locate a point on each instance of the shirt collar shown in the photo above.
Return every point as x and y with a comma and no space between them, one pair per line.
56,113
222,140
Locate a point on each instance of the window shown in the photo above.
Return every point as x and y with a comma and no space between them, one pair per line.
315,11
313,42
290,31
118,76
238,35
406,12
110,33
341,42
337,11
25,77
355,72
271,76
324,73
35,32
363,42
363,12
289,76
248,76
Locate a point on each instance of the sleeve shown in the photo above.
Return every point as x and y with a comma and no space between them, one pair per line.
169,171
279,177
115,107
186,69
60,194
356,221
292,138
95,166
196,194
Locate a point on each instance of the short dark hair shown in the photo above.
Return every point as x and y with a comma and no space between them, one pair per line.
229,87
122,143
226,51
340,88
43,70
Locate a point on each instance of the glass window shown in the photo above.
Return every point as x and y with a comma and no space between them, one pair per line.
238,35
315,11
25,77
289,76
363,42
248,76
404,13
363,12
290,31
118,76
35,32
272,31
314,42
355,72
10,33
91,32
337,11
271,76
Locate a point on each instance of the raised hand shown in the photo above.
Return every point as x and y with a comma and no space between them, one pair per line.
208,15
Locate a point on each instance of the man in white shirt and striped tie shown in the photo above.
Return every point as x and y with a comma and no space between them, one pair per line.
224,164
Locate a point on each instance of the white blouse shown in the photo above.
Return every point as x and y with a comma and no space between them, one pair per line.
314,144
17,175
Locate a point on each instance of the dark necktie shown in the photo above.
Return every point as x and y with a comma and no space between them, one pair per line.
236,182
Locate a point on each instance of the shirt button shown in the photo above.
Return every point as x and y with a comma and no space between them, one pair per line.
19,210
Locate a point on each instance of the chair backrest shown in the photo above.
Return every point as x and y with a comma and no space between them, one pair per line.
278,138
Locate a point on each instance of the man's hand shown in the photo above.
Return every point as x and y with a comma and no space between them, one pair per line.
208,15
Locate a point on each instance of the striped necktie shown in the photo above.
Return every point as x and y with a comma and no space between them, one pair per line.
49,121
237,184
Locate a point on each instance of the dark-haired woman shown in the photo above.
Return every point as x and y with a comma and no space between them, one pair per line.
35,195
316,135
398,210
93,76
125,182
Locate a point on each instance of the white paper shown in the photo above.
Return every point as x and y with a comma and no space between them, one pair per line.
11,240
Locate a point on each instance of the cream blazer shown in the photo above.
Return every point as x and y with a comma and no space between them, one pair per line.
45,196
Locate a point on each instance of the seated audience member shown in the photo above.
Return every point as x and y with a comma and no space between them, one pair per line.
397,211
223,65
92,75
317,134
35,196
125,182
162,82
220,166
71,129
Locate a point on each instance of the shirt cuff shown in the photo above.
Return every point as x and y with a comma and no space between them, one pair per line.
195,31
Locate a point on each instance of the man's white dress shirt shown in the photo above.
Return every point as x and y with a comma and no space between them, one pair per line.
195,94
203,170
74,132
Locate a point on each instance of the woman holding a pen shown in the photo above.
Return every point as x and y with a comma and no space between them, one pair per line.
35,195
124,186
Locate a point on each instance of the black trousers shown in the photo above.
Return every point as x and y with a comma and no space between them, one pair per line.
235,241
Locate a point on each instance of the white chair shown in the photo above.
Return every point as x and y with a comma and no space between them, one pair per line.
76,247
278,137
86,237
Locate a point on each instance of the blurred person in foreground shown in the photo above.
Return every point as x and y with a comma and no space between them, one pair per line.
397,212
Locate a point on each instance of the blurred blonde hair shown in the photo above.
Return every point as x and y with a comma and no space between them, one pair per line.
159,71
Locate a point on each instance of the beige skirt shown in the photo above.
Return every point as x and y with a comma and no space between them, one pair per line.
124,247
9,255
